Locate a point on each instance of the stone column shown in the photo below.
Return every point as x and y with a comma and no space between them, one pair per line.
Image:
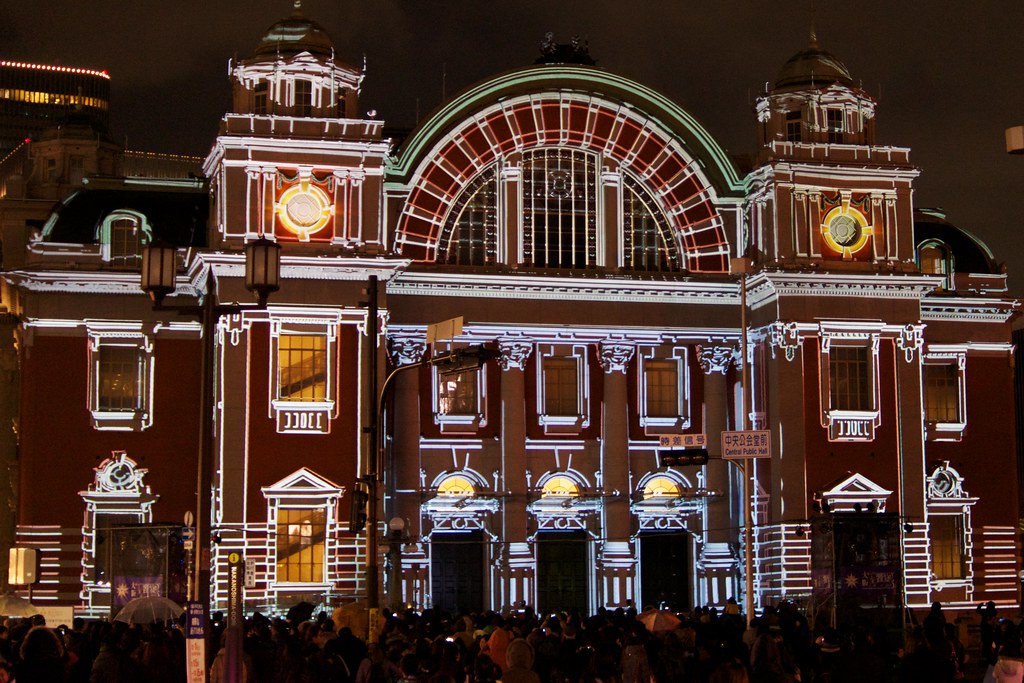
517,570
403,465
616,567
721,573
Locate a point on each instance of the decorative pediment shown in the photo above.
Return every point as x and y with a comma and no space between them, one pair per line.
303,484
853,492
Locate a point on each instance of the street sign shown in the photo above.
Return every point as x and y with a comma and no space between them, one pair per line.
188,533
683,441
190,519
747,445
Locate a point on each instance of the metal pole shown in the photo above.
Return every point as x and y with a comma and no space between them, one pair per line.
748,465
200,579
373,459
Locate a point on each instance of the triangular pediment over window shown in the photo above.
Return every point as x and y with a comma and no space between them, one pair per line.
853,491
303,484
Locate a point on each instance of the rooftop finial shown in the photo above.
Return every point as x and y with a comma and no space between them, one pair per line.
814,30
297,7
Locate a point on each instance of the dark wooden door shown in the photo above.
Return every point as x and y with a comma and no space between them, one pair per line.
457,571
562,569
665,570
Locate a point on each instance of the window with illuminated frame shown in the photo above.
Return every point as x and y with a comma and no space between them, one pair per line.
563,392
561,196
121,236
304,373
302,543
944,393
935,258
664,392
849,382
120,379
460,399
950,532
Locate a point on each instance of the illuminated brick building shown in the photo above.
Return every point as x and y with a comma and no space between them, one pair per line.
588,230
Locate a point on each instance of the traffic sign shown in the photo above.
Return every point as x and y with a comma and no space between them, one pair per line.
747,444
682,440
190,519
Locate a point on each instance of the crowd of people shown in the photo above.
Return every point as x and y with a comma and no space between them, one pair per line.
521,646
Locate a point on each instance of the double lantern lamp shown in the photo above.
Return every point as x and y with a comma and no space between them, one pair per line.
262,269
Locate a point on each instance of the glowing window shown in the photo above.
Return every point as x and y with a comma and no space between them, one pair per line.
302,367
559,208
121,378
456,486
850,378
560,486
561,386
126,238
661,385
472,227
457,393
661,487
647,241
942,393
948,543
933,258
301,538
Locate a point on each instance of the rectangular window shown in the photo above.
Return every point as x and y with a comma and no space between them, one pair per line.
259,102
301,539
834,121
942,393
793,126
561,387
121,379
850,378
457,393
125,238
303,97
948,544
661,380
302,367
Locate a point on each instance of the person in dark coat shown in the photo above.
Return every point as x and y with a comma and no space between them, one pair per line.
42,658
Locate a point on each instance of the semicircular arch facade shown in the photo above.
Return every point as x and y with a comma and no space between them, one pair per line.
617,132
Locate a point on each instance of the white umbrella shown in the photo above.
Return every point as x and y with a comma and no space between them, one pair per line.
12,605
148,610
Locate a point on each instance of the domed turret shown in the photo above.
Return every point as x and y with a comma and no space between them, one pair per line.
815,101
294,35
293,73
813,66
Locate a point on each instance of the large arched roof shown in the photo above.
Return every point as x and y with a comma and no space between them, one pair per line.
576,106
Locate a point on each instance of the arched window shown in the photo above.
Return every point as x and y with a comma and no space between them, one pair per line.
122,235
559,208
661,487
933,258
472,226
560,486
456,486
647,242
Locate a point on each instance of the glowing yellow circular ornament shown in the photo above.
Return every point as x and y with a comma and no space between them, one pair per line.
846,230
303,210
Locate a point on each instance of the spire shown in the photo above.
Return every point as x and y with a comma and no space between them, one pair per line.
297,8
814,21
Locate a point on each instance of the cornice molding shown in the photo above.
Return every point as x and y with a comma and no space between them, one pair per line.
954,309
539,287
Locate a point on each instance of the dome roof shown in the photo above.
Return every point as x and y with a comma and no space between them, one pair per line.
813,66
970,254
295,34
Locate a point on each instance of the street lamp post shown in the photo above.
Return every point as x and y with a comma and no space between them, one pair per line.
459,360
262,277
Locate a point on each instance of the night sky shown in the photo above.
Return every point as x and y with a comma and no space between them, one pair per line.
949,81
